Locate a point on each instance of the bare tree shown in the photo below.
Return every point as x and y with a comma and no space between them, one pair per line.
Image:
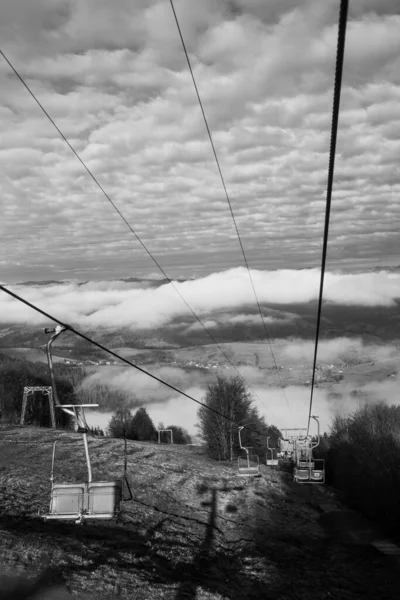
231,398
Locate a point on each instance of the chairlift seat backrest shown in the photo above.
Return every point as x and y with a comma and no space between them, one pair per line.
104,496
67,498
249,465
317,475
303,474
272,457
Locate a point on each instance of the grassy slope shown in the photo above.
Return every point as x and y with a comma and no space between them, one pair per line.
195,530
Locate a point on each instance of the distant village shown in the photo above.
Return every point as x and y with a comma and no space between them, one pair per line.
198,365
183,364
89,363
324,373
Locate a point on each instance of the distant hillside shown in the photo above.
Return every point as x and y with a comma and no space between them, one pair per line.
46,282
378,325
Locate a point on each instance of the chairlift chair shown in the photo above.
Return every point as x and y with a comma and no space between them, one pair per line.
286,448
272,456
89,500
248,466
94,500
307,468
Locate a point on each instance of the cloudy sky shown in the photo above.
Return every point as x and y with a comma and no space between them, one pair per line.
114,78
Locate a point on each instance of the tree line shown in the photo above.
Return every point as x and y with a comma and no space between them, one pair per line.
219,436
141,427
362,456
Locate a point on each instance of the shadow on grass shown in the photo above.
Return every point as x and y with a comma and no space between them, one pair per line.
202,562
214,567
280,558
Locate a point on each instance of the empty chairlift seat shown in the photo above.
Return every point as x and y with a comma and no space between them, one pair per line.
88,500
68,500
104,498
272,457
98,500
302,474
318,471
310,471
249,465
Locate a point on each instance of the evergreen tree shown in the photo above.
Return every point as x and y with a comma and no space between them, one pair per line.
142,427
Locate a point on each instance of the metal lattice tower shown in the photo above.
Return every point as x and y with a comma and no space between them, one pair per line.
164,430
45,390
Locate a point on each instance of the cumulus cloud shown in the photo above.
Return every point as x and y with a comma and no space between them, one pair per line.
114,78
122,304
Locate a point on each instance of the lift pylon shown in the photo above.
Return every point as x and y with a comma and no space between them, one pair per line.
38,388
165,431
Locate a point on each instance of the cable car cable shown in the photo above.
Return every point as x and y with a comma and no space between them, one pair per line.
334,130
228,199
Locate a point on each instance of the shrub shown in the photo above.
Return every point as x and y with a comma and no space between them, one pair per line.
363,461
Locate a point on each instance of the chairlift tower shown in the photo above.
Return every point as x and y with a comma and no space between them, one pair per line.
163,431
46,390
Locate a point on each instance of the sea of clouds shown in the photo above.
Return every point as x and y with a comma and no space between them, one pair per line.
119,304
123,304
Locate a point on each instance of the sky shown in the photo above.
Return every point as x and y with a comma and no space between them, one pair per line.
114,78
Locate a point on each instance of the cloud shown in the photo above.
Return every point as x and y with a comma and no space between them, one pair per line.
294,414
115,80
139,306
228,320
338,350
175,411
139,387
271,404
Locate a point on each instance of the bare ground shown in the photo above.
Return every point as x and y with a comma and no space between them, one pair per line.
195,530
